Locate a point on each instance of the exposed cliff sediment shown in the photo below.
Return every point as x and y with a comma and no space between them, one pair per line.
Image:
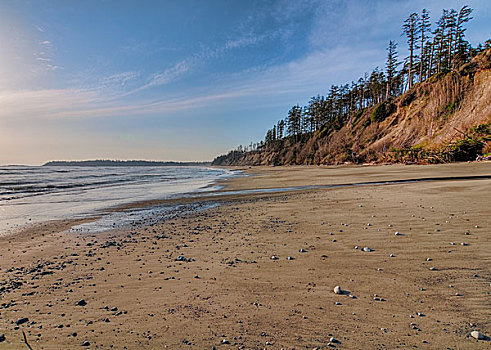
445,118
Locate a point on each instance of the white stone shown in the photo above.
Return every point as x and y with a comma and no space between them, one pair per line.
477,335
338,290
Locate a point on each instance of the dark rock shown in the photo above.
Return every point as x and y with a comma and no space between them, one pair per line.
81,302
21,321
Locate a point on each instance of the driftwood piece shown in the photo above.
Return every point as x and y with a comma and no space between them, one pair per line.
25,340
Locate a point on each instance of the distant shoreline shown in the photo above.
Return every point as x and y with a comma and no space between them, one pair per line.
117,163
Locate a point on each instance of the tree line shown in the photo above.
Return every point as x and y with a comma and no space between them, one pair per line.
430,51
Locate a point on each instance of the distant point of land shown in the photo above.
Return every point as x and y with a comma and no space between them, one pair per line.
122,163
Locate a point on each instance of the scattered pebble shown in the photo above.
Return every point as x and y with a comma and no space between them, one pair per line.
81,302
477,335
21,321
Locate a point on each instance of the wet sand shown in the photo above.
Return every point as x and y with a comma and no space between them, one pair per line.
208,279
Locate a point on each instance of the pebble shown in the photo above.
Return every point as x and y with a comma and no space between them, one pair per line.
356,247
477,335
291,258
225,341
337,303
274,257
338,290
86,343
81,302
303,250
2,338
397,233
21,321
367,249
392,255
433,268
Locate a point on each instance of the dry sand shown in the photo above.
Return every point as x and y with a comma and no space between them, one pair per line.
139,295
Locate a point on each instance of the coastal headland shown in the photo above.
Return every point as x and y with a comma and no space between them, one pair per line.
409,247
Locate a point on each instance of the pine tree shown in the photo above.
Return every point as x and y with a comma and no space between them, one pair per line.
294,121
280,129
461,45
424,28
438,40
391,68
450,37
412,32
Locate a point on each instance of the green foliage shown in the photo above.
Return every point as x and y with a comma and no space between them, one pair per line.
357,116
465,149
382,111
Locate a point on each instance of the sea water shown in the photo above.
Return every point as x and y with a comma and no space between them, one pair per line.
36,194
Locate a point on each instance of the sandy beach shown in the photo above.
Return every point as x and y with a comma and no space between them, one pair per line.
258,270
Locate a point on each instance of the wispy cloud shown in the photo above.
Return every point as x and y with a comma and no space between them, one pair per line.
120,79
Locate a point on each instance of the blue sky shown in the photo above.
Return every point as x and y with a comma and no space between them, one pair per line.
180,80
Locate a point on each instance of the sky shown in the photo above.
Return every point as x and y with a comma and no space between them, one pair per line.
181,79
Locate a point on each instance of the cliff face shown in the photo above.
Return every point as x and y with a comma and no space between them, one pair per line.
445,118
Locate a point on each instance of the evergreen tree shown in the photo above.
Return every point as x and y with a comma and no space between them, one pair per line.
294,121
450,37
461,54
424,28
438,40
391,68
412,32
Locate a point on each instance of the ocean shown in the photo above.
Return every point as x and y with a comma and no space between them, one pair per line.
33,194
